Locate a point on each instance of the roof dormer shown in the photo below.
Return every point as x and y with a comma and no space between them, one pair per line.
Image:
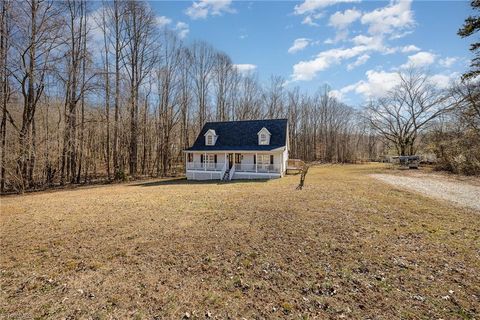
210,137
264,137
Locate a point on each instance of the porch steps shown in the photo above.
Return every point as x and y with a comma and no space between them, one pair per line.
226,176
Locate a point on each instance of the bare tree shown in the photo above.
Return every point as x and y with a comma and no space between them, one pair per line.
202,64
169,96
185,97
36,26
4,84
249,105
407,110
139,58
74,83
274,98
224,80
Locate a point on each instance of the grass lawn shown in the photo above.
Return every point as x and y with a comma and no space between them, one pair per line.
346,246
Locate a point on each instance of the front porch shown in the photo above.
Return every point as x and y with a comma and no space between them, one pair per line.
234,165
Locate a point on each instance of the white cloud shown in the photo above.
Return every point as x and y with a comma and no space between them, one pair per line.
448,61
442,81
377,84
360,60
391,21
337,94
410,48
309,6
341,20
394,17
298,45
307,70
339,36
245,68
203,8
420,60
163,21
308,20
182,29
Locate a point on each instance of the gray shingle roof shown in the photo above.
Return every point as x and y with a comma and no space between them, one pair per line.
242,135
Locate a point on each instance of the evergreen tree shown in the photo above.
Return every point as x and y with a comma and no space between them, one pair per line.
471,26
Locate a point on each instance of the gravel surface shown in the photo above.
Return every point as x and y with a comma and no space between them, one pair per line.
460,193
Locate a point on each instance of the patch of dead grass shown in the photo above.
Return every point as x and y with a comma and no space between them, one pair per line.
347,245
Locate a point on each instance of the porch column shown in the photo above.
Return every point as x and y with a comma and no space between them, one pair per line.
204,161
256,162
281,164
225,164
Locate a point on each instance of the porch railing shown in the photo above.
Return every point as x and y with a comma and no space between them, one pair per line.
262,168
205,166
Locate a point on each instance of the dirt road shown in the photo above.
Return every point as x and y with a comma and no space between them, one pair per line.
458,192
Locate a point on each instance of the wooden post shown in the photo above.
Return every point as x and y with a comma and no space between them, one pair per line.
256,162
204,161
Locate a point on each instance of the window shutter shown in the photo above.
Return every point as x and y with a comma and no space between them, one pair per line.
271,159
215,159
254,159
201,158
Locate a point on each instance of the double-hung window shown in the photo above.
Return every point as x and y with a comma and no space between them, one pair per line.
209,140
263,159
263,138
264,162
210,160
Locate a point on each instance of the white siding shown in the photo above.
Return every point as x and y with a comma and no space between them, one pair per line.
285,160
220,157
248,158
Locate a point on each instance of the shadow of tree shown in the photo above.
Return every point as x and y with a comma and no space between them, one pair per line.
184,181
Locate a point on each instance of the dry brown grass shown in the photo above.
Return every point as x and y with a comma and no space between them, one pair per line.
345,246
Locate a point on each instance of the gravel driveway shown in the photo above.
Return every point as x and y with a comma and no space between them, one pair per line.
460,193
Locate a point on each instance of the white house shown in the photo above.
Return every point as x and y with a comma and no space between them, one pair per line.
250,149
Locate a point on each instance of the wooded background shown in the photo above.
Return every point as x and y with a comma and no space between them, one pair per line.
93,92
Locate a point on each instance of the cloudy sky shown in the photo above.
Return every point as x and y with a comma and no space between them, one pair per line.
355,46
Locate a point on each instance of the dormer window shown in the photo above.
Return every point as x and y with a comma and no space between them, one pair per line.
264,137
210,138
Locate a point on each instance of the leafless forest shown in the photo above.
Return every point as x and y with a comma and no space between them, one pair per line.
98,91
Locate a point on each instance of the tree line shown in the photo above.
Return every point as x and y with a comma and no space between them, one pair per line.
100,92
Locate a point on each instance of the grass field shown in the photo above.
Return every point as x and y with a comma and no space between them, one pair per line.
346,246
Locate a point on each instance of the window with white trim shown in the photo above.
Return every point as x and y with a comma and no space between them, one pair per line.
263,159
263,138
210,158
209,140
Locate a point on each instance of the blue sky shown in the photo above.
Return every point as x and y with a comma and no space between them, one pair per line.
356,47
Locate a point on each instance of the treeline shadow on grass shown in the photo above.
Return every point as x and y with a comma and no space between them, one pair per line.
184,181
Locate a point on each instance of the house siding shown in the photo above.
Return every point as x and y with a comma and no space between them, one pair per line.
248,157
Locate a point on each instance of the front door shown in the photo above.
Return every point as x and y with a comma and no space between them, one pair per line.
230,160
